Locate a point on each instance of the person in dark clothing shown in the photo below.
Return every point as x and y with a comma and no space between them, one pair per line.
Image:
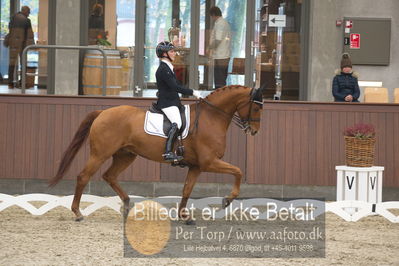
345,86
21,35
168,95
96,24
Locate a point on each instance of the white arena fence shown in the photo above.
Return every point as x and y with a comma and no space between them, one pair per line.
348,210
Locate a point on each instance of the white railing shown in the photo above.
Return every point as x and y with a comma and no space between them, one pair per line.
350,211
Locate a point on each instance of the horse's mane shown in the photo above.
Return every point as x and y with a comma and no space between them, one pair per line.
216,92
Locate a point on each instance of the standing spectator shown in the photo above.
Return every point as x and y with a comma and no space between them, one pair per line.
21,35
219,47
96,24
345,85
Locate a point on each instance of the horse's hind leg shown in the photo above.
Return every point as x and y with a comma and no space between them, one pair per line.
91,167
219,166
121,160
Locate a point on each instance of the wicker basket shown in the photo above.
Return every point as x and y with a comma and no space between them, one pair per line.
359,152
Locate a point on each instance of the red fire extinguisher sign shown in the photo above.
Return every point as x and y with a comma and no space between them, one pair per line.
355,41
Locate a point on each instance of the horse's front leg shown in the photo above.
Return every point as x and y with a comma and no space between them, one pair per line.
191,178
219,166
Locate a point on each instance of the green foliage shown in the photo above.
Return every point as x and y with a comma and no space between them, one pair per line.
5,17
103,42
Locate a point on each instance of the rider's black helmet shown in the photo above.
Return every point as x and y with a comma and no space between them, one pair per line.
164,47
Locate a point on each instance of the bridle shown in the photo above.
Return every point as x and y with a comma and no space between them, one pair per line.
244,124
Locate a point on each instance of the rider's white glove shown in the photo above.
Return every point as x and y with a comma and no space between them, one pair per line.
197,94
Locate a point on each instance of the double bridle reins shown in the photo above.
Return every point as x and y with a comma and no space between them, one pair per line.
244,124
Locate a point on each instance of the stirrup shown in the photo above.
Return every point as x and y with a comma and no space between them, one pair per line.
171,157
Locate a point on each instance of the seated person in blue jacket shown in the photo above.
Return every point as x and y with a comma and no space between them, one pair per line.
168,95
345,87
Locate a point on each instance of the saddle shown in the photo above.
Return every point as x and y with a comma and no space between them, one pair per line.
156,123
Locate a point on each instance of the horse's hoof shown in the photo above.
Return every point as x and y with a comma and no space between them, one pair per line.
190,222
79,219
225,202
125,213
187,220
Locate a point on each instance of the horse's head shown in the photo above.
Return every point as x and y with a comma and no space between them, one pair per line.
250,110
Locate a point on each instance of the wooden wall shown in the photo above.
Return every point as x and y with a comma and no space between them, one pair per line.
300,143
36,130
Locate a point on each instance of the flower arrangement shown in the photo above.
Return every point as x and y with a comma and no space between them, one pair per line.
359,145
360,131
102,39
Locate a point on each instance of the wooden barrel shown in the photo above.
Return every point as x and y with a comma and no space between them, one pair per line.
92,72
127,74
30,76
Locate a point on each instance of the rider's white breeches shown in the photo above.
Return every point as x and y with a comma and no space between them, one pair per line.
173,114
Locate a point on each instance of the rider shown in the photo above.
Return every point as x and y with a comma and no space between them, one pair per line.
168,97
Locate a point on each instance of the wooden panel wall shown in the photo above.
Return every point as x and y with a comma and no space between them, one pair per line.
300,143
36,130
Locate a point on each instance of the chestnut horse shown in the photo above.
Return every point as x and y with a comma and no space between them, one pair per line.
119,132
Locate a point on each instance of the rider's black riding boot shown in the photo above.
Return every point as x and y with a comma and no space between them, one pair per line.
169,155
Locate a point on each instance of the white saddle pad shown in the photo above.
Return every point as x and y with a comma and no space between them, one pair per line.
153,124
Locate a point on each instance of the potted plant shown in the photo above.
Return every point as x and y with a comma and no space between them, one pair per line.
359,145
102,40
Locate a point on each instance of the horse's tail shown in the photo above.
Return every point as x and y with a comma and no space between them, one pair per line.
77,141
